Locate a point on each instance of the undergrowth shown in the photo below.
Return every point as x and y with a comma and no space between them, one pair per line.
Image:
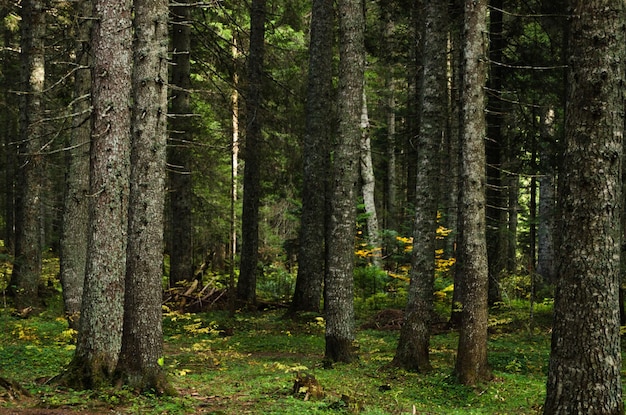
247,363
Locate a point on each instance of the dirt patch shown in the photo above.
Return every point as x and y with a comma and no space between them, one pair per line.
56,411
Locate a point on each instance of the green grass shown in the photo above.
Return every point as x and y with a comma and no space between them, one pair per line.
253,370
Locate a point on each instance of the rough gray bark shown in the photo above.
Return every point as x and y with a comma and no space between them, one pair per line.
73,243
246,285
412,351
316,161
180,189
471,363
585,359
142,339
339,280
99,337
28,245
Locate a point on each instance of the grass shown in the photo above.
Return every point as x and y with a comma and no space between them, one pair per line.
252,370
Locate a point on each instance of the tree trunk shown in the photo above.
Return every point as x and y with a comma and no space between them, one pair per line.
471,363
513,192
179,154
547,204
414,83
368,187
495,214
246,286
142,339
234,178
316,160
28,221
339,282
10,75
450,163
412,351
391,183
99,337
73,256
585,359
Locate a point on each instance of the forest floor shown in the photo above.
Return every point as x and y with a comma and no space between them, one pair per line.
250,363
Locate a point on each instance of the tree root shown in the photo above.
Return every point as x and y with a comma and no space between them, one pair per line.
14,389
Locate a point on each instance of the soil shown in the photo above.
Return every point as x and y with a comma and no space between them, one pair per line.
56,411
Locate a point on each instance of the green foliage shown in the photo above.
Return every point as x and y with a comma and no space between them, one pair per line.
276,283
516,287
222,363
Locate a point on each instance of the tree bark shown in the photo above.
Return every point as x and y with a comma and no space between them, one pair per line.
471,363
316,161
179,152
412,351
28,221
142,339
246,285
339,281
585,359
99,337
73,255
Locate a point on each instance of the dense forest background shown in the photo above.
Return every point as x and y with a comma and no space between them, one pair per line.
320,157
525,122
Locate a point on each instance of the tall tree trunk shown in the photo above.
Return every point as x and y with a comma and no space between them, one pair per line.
142,338
412,351
495,214
390,198
368,187
28,222
10,120
585,359
456,16
414,83
234,176
513,208
471,363
339,282
316,160
100,334
179,152
391,183
547,198
451,198
73,256
450,163
246,286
